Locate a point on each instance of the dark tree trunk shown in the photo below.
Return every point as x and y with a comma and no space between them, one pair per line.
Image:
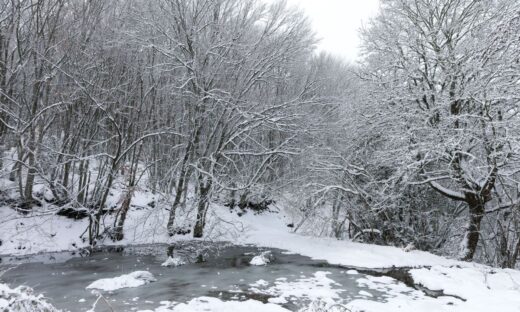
476,213
176,202
202,208
118,234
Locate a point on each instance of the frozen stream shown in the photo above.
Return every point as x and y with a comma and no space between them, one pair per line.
212,270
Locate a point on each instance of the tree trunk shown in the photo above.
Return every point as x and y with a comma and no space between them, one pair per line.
125,206
29,182
471,238
181,185
178,198
202,208
335,224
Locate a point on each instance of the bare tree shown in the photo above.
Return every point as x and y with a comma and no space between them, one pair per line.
432,64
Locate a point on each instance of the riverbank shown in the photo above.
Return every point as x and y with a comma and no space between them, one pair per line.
450,285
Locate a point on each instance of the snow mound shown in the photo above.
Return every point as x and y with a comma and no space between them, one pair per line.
173,262
263,259
22,299
134,279
204,304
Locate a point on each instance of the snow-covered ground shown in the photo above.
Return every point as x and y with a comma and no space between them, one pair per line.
461,286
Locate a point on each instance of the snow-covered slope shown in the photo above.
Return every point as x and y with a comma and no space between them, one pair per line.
269,230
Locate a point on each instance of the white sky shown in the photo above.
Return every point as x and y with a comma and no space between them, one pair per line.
337,22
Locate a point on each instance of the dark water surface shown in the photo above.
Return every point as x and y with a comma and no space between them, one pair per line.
212,270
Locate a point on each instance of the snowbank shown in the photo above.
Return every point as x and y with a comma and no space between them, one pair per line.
466,287
134,279
269,230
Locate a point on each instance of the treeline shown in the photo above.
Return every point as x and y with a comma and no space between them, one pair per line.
176,93
439,162
424,153
417,144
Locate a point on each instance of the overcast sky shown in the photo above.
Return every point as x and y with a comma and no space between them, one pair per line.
337,21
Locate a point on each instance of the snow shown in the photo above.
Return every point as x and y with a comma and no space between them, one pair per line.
319,287
481,287
399,297
262,259
131,280
365,293
36,234
205,304
22,299
448,192
473,288
269,230
173,262
259,283
259,260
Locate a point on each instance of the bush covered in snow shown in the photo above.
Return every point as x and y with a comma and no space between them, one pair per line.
22,299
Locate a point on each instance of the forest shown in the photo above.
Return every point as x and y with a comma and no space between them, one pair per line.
229,104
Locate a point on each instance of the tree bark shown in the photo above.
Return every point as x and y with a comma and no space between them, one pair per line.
471,238
202,209
125,206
